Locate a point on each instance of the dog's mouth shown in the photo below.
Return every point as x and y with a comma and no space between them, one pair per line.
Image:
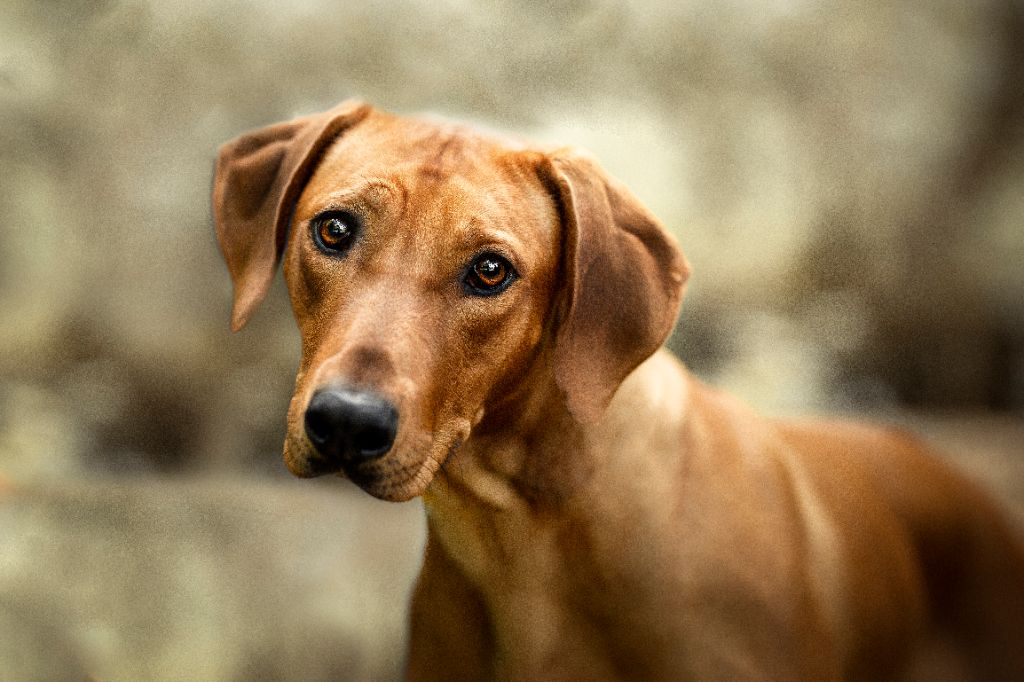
375,438
398,476
396,484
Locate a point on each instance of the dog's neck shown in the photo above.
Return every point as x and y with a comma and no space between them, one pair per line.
526,453
524,469
527,496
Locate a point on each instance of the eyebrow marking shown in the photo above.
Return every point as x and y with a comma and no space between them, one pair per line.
439,157
373,189
435,167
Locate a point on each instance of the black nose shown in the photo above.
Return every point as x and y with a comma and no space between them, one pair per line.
348,426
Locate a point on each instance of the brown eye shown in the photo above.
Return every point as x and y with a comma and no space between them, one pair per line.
489,274
333,233
490,271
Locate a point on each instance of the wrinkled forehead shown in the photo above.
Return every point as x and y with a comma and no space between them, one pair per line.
419,171
439,148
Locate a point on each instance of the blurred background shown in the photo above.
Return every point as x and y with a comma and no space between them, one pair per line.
847,180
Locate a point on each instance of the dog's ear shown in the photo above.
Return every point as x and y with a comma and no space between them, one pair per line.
623,281
258,179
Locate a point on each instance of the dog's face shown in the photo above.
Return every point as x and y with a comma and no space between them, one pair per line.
436,274
421,264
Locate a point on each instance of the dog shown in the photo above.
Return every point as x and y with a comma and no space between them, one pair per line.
481,323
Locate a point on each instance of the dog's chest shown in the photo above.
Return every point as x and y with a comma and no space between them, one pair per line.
519,570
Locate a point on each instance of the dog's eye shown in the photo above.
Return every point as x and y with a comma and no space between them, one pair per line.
489,274
333,232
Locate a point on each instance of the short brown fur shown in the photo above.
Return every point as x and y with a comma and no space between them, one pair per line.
593,511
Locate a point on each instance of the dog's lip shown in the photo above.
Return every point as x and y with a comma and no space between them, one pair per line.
385,478
388,487
401,483
318,466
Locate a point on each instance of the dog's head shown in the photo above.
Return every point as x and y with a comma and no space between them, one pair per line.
434,272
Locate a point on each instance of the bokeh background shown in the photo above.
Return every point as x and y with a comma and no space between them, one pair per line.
847,179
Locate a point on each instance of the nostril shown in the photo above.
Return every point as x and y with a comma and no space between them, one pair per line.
316,427
322,418
376,434
372,442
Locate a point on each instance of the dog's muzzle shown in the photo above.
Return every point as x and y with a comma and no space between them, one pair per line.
349,427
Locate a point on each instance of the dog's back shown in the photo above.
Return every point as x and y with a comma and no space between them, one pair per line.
957,586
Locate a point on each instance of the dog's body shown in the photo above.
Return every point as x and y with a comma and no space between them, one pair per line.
703,542
593,511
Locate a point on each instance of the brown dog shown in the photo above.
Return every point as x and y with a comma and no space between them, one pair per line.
481,323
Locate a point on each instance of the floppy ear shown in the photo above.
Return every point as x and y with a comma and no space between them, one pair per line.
258,179
623,282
